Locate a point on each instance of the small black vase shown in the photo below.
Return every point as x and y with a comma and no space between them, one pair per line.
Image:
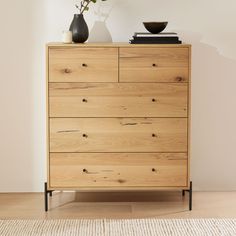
79,29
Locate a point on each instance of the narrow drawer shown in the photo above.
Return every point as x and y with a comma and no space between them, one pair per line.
154,64
118,99
118,170
118,135
83,65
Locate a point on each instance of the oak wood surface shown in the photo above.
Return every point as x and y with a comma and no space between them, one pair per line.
118,100
154,64
189,111
114,45
47,113
118,205
119,81
83,65
118,135
118,170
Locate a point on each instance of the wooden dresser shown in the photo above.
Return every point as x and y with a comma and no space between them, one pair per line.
118,117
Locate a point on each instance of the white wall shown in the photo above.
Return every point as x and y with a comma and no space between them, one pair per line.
27,25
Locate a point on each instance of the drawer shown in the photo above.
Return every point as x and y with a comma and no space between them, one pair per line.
118,99
83,65
118,170
154,64
118,135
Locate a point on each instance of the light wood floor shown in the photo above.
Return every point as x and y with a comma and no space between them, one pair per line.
118,205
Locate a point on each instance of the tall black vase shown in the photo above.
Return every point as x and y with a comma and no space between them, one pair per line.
79,29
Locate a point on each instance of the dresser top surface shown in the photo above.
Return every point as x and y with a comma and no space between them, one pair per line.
118,44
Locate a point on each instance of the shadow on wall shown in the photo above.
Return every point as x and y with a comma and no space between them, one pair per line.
99,31
213,116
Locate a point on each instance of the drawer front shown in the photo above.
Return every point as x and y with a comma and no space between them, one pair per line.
118,99
118,135
118,170
154,64
83,65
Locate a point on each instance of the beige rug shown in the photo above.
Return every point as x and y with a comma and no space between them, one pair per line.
144,227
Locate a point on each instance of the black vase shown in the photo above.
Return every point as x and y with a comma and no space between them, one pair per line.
79,29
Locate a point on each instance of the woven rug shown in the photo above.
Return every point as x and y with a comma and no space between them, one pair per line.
143,227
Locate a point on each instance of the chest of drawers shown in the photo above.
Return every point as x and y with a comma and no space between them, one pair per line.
118,117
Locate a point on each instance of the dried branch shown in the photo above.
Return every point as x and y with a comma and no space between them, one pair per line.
84,5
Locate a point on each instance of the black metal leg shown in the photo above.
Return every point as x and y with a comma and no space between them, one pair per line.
183,192
46,196
50,193
190,196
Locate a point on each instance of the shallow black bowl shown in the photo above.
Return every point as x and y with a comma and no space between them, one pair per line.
155,27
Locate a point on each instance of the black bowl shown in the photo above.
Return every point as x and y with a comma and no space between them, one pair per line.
155,27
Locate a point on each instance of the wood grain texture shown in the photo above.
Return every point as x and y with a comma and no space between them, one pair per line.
118,100
80,170
118,205
83,65
47,114
118,135
114,45
189,110
154,64
95,90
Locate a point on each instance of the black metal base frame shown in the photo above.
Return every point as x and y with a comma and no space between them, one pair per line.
190,190
49,192
46,192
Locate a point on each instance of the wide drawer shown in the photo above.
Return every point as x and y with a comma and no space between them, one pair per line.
118,170
118,134
83,65
118,99
154,64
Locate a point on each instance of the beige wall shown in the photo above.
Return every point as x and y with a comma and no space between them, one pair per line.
28,24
